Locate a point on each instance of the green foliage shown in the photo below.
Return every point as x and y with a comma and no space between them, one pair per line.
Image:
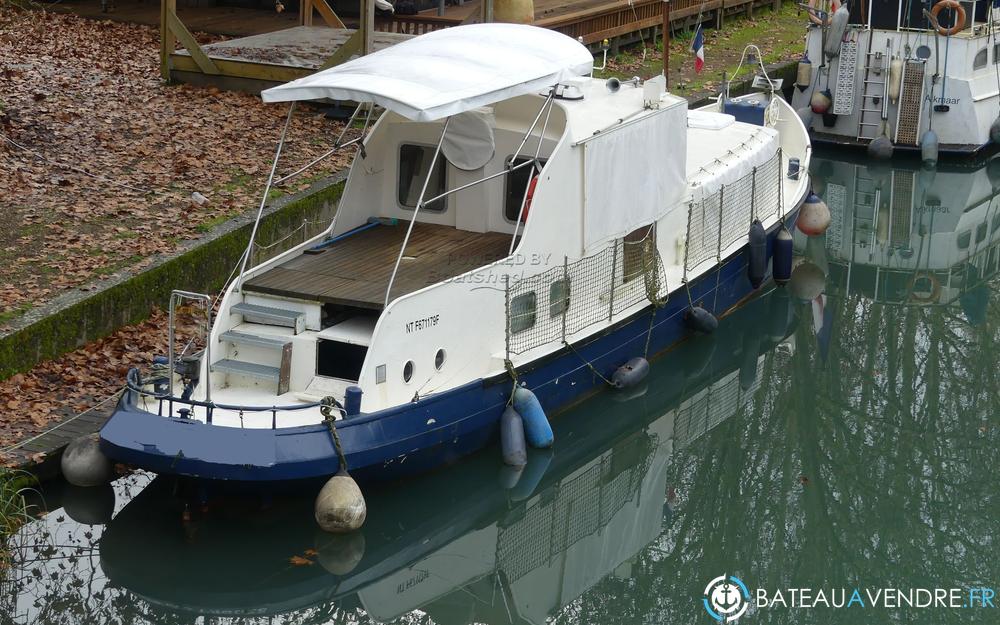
13,508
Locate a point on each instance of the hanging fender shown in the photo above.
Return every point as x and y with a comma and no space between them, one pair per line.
814,18
955,6
528,197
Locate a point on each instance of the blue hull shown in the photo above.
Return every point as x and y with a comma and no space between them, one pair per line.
396,442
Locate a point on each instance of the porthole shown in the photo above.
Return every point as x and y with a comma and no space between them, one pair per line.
439,359
408,371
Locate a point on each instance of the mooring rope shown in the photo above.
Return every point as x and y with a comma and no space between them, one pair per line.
326,409
588,363
114,395
512,372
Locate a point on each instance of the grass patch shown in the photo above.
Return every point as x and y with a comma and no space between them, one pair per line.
14,313
14,511
780,35
208,225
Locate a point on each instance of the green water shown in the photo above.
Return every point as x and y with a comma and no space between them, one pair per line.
837,434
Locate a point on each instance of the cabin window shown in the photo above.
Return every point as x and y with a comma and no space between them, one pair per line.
640,252
522,312
981,58
996,53
414,161
964,239
439,358
517,181
996,223
981,232
408,371
558,297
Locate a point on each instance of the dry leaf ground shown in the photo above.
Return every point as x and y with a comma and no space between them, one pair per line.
99,158
88,95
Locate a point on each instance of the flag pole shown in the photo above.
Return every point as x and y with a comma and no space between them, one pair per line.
666,43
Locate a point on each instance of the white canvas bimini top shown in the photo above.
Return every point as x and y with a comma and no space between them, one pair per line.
448,71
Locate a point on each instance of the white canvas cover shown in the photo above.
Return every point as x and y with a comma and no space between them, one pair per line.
469,143
634,174
448,71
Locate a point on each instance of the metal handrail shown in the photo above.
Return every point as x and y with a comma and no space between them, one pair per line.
133,383
176,296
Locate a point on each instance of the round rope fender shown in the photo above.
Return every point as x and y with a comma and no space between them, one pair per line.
813,4
955,6
924,281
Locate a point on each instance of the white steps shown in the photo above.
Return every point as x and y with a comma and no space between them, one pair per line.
255,313
256,350
249,369
255,340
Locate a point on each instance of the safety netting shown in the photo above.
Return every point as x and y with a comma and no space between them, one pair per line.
566,299
723,218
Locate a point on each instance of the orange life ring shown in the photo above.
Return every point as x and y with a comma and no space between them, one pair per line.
829,16
528,197
955,6
933,283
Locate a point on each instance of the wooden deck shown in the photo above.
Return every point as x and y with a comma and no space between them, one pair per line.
355,271
273,57
592,20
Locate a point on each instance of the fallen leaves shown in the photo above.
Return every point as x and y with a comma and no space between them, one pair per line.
102,166
58,389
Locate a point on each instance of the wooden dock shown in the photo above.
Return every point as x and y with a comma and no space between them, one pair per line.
41,456
260,61
263,59
619,21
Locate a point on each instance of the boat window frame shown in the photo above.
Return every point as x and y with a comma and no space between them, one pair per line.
559,302
418,179
531,296
982,59
510,162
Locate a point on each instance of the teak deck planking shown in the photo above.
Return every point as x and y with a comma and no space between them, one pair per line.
355,271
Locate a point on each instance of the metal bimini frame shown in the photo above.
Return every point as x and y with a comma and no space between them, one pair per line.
545,109
338,145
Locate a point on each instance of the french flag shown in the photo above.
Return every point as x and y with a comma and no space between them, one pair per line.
698,47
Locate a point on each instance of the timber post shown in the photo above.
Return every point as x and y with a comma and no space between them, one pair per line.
666,44
167,40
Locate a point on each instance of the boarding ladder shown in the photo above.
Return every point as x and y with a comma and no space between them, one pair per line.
911,96
867,196
873,91
902,207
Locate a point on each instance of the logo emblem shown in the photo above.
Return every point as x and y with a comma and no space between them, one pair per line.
726,598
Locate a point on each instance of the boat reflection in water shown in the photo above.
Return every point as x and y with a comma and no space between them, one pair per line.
911,236
457,545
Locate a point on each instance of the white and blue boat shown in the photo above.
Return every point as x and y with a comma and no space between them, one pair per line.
508,220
